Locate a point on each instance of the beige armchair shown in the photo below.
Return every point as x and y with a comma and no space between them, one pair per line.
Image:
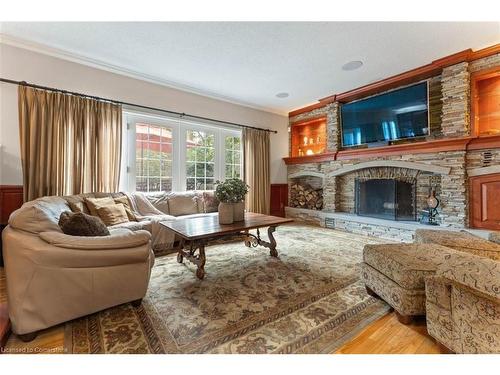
463,304
53,278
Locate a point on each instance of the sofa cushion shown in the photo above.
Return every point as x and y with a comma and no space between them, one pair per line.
183,204
126,203
210,203
460,241
406,264
40,215
80,224
134,225
95,203
159,200
118,239
495,237
77,202
113,214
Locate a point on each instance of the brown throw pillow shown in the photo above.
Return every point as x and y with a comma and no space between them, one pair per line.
77,206
124,200
113,214
80,224
94,203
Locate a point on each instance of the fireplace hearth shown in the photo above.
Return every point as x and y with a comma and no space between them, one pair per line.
390,199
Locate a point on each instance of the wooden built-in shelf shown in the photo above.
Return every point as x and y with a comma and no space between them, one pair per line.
308,137
485,102
440,145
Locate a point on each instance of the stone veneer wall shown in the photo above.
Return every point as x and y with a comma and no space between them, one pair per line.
455,90
449,103
435,107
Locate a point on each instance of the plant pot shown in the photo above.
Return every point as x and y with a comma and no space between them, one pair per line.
239,211
226,213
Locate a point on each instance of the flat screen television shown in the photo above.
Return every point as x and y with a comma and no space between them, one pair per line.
398,114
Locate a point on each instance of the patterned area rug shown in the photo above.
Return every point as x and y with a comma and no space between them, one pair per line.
309,300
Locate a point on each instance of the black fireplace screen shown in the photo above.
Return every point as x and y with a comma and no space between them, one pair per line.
386,199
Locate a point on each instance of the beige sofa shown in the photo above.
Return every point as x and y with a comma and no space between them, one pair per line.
451,277
463,304
53,277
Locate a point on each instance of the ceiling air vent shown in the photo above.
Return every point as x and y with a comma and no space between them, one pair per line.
486,158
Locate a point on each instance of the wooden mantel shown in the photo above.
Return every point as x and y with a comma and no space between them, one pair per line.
440,145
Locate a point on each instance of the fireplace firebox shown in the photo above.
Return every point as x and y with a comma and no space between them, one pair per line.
386,199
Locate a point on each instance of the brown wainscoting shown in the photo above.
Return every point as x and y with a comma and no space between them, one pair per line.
484,193
279,199
11,198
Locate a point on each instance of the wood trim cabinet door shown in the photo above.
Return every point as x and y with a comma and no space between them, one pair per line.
485,201
279,199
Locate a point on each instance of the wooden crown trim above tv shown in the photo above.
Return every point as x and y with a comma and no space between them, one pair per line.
405,78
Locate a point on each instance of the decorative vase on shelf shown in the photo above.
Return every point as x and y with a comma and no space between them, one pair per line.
225,213
239,211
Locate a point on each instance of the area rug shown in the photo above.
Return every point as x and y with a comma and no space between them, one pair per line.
309,300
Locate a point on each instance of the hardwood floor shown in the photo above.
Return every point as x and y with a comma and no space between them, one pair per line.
384,336
388,336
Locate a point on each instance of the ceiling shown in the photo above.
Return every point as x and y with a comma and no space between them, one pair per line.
250,62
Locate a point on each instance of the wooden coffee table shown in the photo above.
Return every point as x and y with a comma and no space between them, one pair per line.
196,232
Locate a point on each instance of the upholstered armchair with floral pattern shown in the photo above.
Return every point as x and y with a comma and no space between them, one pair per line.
463,304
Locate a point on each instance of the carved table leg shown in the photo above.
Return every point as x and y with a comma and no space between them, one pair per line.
180,255
272,247
200,272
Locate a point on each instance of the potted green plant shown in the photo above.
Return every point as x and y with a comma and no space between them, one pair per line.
231,195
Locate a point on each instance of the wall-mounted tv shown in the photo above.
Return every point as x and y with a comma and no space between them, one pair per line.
398,114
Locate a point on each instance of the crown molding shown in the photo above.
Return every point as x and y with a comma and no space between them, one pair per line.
102,65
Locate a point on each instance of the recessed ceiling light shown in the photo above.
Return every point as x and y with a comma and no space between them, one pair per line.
352,65
282,95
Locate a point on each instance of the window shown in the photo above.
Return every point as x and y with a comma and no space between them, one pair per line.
232,150
200,160
166,154
153,157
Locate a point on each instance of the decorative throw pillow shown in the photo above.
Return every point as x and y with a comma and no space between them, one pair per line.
210,203
113,214
78,207
80,224
182,204
124,200
94,203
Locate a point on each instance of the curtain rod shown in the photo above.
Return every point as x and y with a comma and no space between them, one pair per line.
180,114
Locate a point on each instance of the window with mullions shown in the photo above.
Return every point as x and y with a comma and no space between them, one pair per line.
153,158
200,160
165,154
232,156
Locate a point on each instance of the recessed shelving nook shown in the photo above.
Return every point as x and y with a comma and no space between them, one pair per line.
308,137
485,102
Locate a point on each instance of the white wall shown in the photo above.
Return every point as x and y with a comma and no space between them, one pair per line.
24,65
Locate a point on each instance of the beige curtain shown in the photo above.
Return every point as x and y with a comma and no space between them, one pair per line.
257,170
69,144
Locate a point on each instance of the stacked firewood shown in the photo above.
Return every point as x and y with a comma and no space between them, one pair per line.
304,196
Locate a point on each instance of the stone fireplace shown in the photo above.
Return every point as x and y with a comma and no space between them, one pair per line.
382,190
